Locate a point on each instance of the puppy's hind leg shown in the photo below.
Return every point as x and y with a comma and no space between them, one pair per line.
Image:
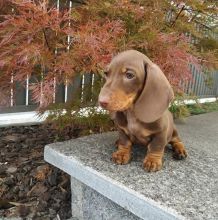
178,146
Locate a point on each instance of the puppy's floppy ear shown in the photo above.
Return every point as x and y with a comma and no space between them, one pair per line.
155,96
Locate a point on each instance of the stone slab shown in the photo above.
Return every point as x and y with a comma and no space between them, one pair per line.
89,204
181,190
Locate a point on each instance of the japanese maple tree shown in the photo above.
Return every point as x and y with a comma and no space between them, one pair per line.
52,46
34,44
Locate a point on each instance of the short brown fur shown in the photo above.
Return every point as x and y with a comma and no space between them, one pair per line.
137,95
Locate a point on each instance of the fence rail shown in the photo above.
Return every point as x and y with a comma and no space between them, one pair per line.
202,85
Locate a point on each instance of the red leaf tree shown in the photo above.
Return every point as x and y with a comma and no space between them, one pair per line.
51,47
34,44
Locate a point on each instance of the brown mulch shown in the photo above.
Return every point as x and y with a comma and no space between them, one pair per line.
29,187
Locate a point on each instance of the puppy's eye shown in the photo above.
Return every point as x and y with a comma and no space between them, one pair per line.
130,75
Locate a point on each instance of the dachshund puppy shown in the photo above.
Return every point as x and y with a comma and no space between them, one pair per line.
137,95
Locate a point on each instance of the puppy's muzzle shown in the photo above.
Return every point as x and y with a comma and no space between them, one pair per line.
103,104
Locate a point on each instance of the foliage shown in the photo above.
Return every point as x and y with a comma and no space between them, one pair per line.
179,108
199,108
53,46
34,44
162,39
89,121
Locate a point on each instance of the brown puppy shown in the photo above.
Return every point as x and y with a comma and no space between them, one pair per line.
137,95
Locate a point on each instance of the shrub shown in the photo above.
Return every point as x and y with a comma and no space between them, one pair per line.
52,47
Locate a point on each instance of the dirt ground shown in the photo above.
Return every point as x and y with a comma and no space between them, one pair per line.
29,187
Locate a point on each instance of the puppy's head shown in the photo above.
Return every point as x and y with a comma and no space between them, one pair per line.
133,81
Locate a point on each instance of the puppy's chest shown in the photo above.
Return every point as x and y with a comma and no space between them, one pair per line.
132,127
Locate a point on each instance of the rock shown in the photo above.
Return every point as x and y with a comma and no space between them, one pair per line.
11,169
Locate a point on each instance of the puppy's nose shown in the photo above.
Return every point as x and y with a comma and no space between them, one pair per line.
103,104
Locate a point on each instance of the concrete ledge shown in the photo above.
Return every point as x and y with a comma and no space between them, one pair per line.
117,192
181,190
21,118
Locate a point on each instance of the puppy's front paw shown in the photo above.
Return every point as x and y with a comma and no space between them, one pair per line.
179,151
121,157
152,164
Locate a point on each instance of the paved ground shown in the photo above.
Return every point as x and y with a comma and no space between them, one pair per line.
201,131
189,187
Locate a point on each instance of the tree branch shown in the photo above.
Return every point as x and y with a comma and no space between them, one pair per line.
46,40
173,23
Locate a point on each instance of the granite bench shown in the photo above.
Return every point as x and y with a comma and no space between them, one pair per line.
181,190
